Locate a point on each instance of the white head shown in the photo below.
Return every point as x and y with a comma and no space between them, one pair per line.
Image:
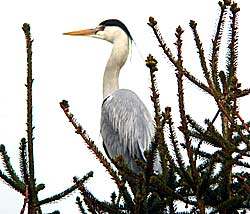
114,31
110,30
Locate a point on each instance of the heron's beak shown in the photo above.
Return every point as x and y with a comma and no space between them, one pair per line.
86,32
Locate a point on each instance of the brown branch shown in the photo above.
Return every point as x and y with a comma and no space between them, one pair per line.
90,144
203,63
92,147
33,199
153,24
216,42
245,125
26,200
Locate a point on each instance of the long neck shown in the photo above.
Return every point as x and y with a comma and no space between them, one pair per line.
116,60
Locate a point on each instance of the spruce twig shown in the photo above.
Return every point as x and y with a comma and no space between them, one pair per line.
216,42
10,182
65,107
94,205
159,122
180,168
159,135
23,160
9,169
90,144
66,192
31,182
153,24
245,125
25,200
80,205
233,45
202,58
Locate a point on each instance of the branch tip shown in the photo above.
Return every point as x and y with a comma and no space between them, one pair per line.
152,22
192,24
151,62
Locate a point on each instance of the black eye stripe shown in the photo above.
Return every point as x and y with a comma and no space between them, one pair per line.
101,28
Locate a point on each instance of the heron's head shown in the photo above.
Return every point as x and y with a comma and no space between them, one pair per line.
109,30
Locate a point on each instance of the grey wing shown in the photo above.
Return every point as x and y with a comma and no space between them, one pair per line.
126,126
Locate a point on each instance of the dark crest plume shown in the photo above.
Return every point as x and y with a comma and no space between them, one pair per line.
117,23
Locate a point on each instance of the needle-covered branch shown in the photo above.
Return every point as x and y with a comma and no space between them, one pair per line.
92,147
10,182
80,205
66,192
153,24
202,57
159,139
33,199
201,175
9,169
93,204
23,160
26,185
216,44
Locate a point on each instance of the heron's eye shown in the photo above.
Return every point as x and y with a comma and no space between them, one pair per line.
101,28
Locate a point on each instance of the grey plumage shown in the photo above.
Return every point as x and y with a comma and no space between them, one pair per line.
126,127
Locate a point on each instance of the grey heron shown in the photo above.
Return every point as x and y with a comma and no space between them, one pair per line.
126,124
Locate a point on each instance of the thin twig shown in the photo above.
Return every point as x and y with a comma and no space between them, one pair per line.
66,192
208,127
26,199
90,143
245,125
153,24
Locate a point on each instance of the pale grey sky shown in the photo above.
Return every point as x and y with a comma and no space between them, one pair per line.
71,68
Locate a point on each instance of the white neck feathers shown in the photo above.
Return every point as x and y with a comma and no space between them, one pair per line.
116,60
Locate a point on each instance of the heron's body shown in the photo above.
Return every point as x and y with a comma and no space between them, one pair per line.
126,125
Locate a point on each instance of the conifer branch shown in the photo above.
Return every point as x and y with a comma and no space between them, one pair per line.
128,175
210,135
11,183
207,177
23,160
216,47
179,75
197,82
25,200
153,24
184,124
123,168
9,169
229,118
92,147
243,93
90,144
232,66
80,205
202,58
166,191
94,205
233,45
159,140
31,182
181,169
245,125
225,114
66,192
